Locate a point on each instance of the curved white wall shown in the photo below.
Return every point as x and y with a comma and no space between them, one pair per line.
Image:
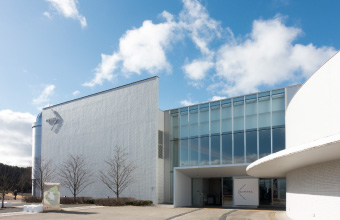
313,192
314,112
313,115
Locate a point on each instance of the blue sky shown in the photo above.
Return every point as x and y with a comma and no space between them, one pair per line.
53,51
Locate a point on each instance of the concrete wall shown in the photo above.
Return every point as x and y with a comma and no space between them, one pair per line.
313,113
313,192
91,126
166,157
36,154
182,189
160,161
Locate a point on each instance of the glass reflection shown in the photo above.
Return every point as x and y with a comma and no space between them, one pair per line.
227,148
239,147
279,142
194,152
204,151
215,150
264,143
184,153
251,148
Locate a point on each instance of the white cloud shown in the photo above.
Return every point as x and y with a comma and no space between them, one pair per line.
44,97
140,49
144,48
68,8
47,14
201,27
187,102
104,70
16,137
75,93
267,57
216,98
197,69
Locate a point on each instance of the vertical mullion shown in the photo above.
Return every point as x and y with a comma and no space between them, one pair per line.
244,132
209,135
271,122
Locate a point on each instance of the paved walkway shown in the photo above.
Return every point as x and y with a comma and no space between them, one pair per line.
82,212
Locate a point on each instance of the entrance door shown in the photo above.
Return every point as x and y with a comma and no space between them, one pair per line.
265,191
197,192
227,197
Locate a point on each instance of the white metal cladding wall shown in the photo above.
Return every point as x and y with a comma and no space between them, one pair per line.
92,126
313,192
313,113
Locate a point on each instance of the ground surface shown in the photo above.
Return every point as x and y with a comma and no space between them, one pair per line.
85,212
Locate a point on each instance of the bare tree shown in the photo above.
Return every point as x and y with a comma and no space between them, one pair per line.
43,172
75,175
118,174
6,182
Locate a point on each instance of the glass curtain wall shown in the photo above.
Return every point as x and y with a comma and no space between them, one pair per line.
204,134
264,112
193,131
278,120
232,131
184,131
251,128
227,128
238,113
215,133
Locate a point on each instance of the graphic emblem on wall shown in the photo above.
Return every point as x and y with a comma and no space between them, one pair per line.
241,191
54,120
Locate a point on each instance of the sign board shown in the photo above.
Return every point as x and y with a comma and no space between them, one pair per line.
51,196
246,192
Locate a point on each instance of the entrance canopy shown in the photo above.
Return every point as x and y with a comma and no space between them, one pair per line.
183,176
277,165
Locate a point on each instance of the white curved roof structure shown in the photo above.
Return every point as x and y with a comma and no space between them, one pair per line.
312,125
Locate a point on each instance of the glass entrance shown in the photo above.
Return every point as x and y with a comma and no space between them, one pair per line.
265,191
227,197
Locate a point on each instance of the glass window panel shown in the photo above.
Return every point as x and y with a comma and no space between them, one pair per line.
215,150
227,191
204,121
215,120
194,152
175,126
278,139
184,156
279,91
264,143
278,106
227,149
264,112
193,121
251,146
204,151
239,147
184,125
174,154
279,192
265,193
226,119
251,115
238,116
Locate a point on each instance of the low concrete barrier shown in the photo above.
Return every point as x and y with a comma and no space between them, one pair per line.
33,208
7,204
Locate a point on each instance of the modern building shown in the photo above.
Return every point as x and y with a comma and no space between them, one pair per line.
311,161
266,148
